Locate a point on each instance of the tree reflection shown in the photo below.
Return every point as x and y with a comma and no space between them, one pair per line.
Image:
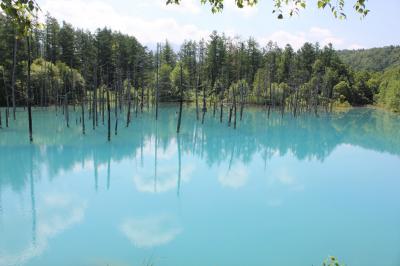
305,136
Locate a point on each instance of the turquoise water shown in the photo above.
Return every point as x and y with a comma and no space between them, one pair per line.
275,191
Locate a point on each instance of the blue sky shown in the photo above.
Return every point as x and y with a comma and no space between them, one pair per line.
151,21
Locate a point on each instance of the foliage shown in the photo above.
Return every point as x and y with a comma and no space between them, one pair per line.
331,261
335,6
374,59
389,89
309,76
22,13
176,78
165,82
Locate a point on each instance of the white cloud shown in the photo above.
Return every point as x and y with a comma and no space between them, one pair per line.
234,178
57,212
297,39
96,14
187,6
316,31
167,177
150,231
355,46
149,28
283,37
167,169
285,178
246,11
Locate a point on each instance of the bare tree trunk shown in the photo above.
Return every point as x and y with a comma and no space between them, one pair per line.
66,108
13,75
214,105
136,102
128,115
241,101
157,77
270,97
94,104
28,84
142,98
234,106
102,104
109,116
6,95
221,112
230,115
197,96
116,111
204,104
83,115
180,101
148,97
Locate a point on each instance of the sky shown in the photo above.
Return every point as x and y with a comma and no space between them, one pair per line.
151,21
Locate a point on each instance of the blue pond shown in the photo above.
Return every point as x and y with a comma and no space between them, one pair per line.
277,190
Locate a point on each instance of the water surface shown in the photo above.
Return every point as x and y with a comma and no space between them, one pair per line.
275,191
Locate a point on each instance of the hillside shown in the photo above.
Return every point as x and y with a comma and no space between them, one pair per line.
374,59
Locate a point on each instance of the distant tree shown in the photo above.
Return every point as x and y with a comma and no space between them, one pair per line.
67,42
52,42
168,55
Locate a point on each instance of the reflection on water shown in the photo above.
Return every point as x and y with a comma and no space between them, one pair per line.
309,186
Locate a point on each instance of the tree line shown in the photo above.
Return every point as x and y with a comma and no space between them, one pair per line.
107,70
373,59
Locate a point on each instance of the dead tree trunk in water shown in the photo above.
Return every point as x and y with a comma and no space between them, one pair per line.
6,95
157,77
66,108
102,103
270,97
230,114
142,97
234,107
13,74
214,105
180,101
197,96
128,115
83,104
204,104
109,116
136,101
221,113
116,111
28,84
241,101
83,113
94,104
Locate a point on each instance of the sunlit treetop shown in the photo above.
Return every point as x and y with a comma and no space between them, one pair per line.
294,6
23,13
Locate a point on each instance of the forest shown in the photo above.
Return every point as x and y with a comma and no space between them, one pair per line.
72,66
374,59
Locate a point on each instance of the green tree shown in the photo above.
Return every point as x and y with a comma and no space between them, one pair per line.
67,42
165,86
52,42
